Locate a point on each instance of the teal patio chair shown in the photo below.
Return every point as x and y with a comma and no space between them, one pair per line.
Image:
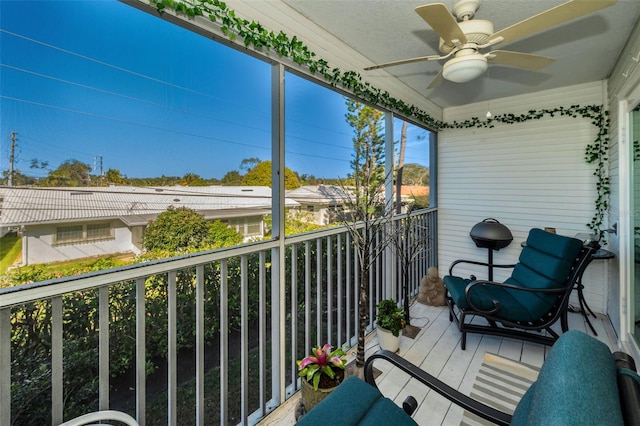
530,301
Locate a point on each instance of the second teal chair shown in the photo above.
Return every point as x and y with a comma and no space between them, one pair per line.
531,300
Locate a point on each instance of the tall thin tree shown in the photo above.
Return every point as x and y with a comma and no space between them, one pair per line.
368,212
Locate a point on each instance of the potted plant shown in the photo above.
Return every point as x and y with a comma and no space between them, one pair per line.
321,373
390,324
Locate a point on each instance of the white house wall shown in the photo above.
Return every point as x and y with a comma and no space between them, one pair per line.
526,175
38,247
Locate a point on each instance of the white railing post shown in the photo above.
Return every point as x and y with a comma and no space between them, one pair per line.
200,343
141,353
172,348
57,364
103,348
224,343
5,366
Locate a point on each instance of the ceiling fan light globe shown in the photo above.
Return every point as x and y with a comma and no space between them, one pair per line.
464,68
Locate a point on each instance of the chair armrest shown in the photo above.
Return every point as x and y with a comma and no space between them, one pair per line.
496,303
628,388
458,398
475,262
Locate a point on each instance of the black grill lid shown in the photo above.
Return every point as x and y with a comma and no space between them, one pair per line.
491,234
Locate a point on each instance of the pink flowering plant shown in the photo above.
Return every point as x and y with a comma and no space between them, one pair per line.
321,361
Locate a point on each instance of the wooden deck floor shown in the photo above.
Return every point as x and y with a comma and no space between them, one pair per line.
436,349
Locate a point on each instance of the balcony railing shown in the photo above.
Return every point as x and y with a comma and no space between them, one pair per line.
258,307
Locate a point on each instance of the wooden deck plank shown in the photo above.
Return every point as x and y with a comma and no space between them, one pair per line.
436,349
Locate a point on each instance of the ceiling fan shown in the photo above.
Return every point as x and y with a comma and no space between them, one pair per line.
461,42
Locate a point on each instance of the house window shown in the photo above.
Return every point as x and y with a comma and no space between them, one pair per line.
83,233
98,231
253,229
248,227
66,234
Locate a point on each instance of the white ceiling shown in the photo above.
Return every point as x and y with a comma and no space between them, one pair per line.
386,30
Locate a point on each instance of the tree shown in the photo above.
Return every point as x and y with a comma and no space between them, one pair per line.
369,213
37,164
19,179
220,235
70,173
192,179
113,176
177,229
232,178
260,175
415,174
368,145
181,229
249,163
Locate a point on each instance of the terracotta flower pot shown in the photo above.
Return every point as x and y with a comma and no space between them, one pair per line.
312,397
387,340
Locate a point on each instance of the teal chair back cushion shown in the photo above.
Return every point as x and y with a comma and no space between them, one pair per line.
545,262
592,398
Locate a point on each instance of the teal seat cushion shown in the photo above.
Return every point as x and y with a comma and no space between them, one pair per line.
355,402
515,305
583,393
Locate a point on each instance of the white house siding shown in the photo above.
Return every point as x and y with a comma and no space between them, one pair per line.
624,83
525,175
38,245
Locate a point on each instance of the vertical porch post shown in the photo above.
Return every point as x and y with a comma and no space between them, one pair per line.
278,254
389,287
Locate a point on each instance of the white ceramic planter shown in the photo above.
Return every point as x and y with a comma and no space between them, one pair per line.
387,340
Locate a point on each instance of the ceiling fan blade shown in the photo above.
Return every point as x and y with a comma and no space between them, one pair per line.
442,21
550,18
403,61
437,81
520,60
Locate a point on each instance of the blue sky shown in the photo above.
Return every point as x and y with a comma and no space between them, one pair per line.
99,79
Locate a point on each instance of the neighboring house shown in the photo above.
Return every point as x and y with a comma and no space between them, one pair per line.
327,204
411,193
59,224
324,204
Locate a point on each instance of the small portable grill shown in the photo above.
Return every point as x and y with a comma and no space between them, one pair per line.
492,235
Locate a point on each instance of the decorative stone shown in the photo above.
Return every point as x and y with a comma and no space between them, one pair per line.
431,289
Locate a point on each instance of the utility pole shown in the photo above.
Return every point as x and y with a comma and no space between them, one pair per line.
98,159
11,158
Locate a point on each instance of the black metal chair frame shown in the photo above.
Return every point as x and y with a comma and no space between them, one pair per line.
499,326
628,387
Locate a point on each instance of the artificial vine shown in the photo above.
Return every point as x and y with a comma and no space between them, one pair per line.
256,36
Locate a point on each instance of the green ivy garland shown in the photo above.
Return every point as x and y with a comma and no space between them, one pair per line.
256,36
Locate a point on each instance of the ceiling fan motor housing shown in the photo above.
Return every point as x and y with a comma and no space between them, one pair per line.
476,31
465,9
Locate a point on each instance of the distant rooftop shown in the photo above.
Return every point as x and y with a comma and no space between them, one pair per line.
132,205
